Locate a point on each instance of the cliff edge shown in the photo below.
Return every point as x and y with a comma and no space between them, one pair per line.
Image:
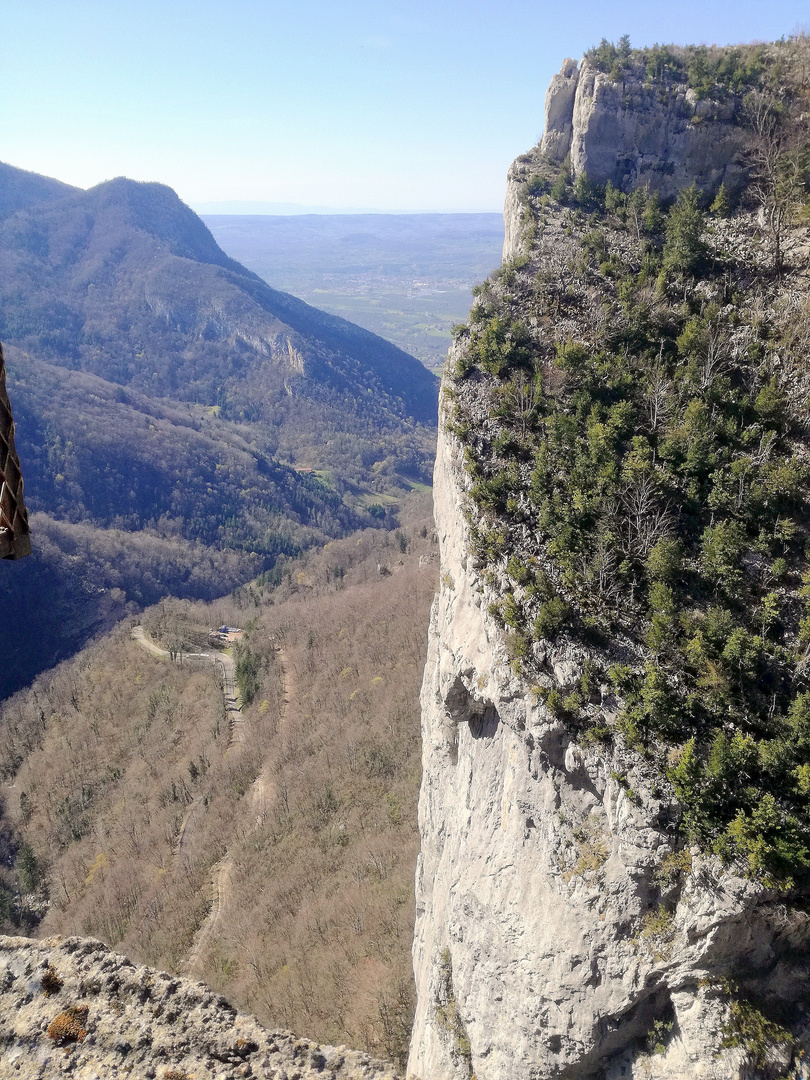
631,130
540,947
599,893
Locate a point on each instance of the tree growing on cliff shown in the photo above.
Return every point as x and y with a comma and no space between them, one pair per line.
778,159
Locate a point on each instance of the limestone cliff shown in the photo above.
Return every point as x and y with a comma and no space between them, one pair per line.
563,929
627,131
634,133
538,948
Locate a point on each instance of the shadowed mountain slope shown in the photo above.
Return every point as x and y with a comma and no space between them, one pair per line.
125,281
20,190
135,499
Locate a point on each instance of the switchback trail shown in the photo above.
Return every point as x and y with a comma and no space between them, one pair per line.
233,711
222,870
219,886
263,791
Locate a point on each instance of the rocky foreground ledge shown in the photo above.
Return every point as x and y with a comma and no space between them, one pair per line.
72,1007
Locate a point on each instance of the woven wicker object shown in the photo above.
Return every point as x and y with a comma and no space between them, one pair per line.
14,539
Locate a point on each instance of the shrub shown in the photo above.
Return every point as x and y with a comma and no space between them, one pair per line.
685,250
68,1026
665,560
592,849
28,870
518,571
551,618
658,933
672,868
722,549
722,204
501,345
659,1035
584,194
749,1028
561,188
51,983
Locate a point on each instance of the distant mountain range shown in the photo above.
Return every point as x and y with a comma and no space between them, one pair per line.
158,385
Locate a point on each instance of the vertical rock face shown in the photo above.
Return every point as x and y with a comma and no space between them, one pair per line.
560,99
540,949
634,133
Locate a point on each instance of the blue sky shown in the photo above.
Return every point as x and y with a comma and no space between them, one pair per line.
346,103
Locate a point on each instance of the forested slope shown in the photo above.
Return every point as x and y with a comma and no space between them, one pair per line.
126,282
273,858
632,396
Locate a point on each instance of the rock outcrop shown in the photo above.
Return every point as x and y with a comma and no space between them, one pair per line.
633,132
72,1007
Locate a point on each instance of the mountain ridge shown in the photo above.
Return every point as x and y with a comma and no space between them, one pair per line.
138,353
115,245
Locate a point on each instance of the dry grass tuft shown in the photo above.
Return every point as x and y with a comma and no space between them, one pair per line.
68,1026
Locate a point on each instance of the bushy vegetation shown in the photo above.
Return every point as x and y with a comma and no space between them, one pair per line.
709,71
632,402
68,1027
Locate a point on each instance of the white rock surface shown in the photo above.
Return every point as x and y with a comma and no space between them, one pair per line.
634,134
142,1024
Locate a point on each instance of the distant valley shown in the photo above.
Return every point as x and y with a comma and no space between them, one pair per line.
181,424
406,277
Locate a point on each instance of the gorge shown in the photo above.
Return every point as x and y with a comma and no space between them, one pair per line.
614,873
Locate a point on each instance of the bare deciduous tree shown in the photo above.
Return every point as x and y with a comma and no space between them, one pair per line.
658,395
777,158
646,517
523,399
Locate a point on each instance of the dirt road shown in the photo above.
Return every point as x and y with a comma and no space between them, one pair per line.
233,710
